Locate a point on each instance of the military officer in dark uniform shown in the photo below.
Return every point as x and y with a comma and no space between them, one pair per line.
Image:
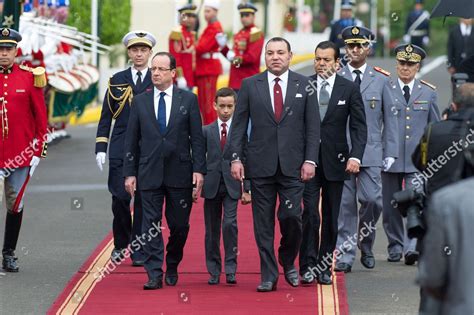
415,106
122,87
23,116
347,19
420,35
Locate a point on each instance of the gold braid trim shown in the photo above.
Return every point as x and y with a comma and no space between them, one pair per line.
127,95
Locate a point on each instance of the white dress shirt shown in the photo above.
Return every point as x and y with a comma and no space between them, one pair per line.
227,128
410,85
168,98
465,29
362,70
283,84
330,85
135,75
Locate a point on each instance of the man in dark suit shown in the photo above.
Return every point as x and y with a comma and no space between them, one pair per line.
221,191
116,106
164,128
339,101
460,44
281,154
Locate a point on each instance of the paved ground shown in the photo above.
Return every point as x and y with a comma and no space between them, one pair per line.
68,212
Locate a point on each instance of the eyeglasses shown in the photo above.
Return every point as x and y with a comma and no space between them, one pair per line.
160,69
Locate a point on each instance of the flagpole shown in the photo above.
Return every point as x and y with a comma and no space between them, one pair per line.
94,29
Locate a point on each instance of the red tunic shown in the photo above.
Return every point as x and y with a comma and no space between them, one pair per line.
207,51
181,42
23,120
248,45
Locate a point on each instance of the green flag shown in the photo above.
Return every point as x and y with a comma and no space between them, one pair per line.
12,10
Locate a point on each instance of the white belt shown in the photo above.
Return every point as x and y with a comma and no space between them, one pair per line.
210,56
419,33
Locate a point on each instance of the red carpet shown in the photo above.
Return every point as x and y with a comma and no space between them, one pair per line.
120,292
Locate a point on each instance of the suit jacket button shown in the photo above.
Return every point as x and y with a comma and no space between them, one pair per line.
164,138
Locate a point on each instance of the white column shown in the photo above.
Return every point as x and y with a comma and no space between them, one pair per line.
236,26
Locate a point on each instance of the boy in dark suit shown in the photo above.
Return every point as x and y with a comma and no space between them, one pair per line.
221,191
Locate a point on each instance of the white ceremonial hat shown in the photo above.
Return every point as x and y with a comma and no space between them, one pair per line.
139,37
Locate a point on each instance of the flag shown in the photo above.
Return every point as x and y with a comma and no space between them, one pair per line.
12,10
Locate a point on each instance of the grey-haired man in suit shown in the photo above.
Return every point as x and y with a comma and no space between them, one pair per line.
415,102
221,191
380,151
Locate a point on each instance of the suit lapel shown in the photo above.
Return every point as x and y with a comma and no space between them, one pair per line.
291,89
264,91
415,94
369,76
146,82
150,108
215,135
398,91
346,73
175,105
337,91
129,79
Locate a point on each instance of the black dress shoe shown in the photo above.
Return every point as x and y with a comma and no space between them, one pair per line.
324,278
307,278
213,280
267,286
138,263
367,260
411,258
153,284
171,279
9,263
291,276
230,278
394,257
343,267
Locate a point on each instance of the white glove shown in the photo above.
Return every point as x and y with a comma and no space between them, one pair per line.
387,163
100,159
33,164
221,39
230,55
182,83
426,40
406,38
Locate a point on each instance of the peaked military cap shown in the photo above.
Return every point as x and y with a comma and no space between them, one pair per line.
410,53
139,38
247,8
9,37
357,35
188,9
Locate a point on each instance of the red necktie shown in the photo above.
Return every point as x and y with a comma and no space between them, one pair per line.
277,100
223,135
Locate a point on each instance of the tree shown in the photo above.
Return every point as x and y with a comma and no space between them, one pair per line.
114,18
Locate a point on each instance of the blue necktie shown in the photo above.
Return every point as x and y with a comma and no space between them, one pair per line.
162,113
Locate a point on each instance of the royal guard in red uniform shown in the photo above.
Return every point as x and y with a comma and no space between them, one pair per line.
247,49
23,135
181,45
208,65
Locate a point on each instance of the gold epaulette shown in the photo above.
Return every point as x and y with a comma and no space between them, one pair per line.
428,84
382,71
101,139
255,34
127,95
39,74
176,33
